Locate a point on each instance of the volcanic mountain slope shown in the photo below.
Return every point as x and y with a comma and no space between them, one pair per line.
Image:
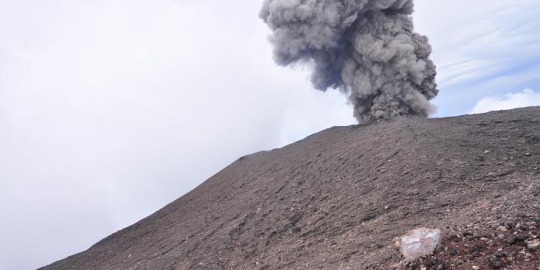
337,199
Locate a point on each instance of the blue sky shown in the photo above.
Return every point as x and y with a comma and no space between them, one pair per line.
111,109
487,48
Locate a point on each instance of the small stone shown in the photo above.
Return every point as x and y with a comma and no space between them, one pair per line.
369,217
433,262
486,152
510,225
533,245
496,264
527,154
502,228
475,249
500,254
397,241
476,267
512,239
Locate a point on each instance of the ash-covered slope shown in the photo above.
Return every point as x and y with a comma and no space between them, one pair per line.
337,199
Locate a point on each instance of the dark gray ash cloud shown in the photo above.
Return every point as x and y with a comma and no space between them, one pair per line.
366,48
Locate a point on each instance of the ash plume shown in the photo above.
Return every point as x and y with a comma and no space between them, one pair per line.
366,48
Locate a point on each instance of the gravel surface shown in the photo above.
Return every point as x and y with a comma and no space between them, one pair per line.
339,198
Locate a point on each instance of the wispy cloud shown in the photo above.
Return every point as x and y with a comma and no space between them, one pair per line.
479,43
478,39
522,99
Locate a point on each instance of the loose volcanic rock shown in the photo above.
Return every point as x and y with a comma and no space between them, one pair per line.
325,202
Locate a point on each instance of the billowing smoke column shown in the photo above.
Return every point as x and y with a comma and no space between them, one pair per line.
364,47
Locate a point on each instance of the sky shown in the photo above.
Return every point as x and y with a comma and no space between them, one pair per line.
111,109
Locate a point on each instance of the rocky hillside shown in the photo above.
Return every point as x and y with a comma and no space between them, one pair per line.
339,198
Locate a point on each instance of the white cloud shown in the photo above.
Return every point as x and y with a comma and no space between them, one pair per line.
481,48
526,98
477,39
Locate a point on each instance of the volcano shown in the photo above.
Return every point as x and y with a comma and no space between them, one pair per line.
339,198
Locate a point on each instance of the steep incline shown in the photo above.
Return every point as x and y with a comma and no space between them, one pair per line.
337,199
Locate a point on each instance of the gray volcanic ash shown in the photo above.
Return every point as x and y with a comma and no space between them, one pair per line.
367,48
